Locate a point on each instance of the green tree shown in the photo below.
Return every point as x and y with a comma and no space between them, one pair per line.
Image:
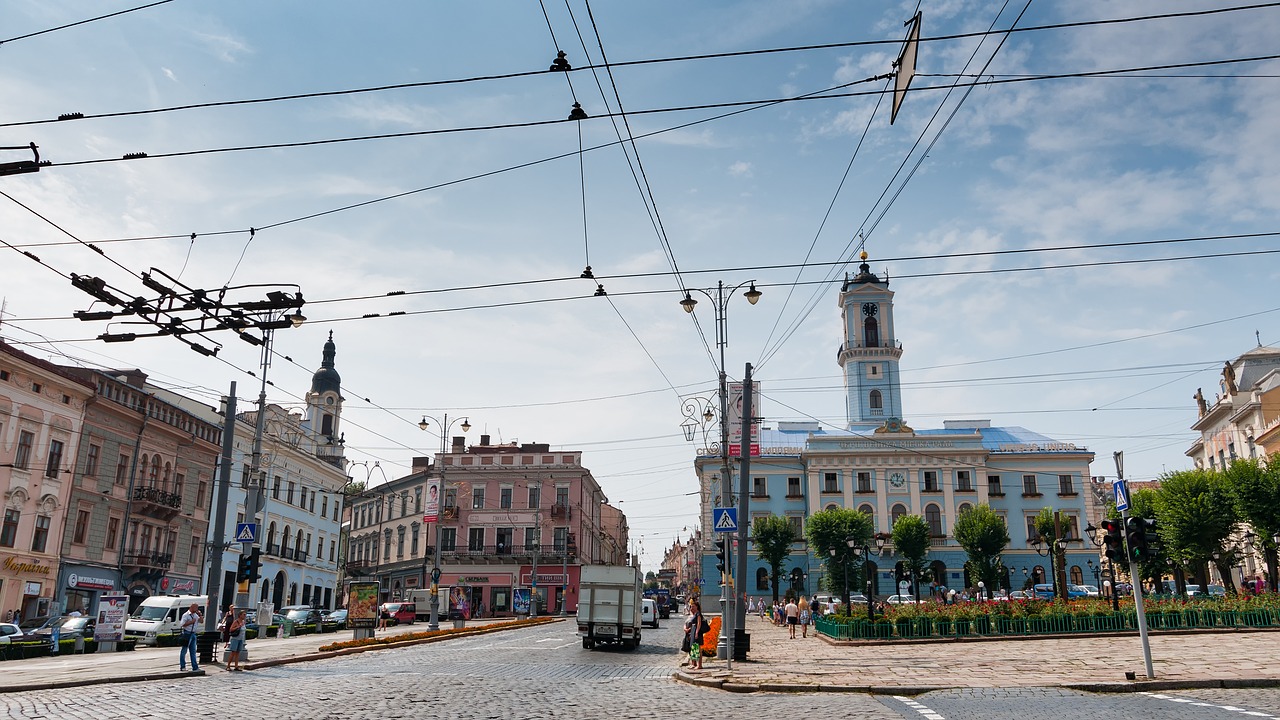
1256,489
911,542
829,530
1196,514
984,536
773,537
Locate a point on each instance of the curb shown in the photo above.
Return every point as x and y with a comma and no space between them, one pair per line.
62,684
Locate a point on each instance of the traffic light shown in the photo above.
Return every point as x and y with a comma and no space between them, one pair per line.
722,554
1113,540
1138,533
249,566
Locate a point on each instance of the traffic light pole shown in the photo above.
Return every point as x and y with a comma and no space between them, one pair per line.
213,588
1137,603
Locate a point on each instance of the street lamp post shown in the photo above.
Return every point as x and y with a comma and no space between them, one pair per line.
1050,550
736,610
1092,532
435,570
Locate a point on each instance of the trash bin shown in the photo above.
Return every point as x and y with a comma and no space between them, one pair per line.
79,643
459,623
286,628
741,644
204,645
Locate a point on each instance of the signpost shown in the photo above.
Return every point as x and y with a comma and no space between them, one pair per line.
725,520
1134,573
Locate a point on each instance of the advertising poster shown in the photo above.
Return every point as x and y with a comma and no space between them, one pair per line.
362,605
113,610
520,601
432,511
735,419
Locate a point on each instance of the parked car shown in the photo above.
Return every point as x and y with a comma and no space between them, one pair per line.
31,625
337,618
1044,591
69,627
1092,590
1217,591
402,613
649,612
302,614
900,600
9,632
1019,595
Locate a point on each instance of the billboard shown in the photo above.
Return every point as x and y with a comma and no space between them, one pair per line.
735,419
362,605
432,511
113,610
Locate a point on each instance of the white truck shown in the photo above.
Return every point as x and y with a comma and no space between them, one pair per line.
609,605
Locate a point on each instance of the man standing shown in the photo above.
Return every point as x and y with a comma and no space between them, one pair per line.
190,624
792,612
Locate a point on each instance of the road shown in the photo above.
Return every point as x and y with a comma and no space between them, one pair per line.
542,672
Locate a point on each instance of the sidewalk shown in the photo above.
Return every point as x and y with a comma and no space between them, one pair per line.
777,663
151,663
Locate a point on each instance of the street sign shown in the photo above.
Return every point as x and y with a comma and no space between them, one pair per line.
724,520
247,533
1121,489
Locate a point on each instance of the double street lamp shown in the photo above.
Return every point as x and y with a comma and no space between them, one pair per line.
856,551
1092,532
1051,550
435,570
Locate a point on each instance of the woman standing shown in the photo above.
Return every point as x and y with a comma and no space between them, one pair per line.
236,645
693,629
806,617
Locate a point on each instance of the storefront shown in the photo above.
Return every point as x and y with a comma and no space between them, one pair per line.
81,585
551,588
488,591
26,586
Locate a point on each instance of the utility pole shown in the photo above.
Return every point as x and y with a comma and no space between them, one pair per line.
216,545
744,511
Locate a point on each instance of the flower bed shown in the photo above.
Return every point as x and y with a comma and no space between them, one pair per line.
1055,617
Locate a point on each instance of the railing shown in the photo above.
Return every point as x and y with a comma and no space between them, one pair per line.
560,511
938,541
148,560
513,553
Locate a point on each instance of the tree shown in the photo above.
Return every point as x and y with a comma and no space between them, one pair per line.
1196,513
1142,503
911,541
984,536
1047,529
773,536
829,530
1256,489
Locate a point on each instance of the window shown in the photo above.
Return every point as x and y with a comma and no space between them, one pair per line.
562,496
1029,485
931,481
797,527
121,468
1231,450
311,506
762,579
830,482
275,489
870,333
417,501
898,511
504,498
993,485
201,489
244,477
40,538
113,532
477,498
82,527
193,551
91,461
324,504
449,539
870,512
451,497
964,508
530,538
475,539
9,535
333,550
413,542
178,480
1072,529
1065,485
535,498
875,402
23,458
399,542
288,497
404,503
864,482
759,487
793,487
933,516
1032,534
386,545
964,482
505,535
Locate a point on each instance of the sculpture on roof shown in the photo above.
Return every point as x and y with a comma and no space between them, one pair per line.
1229,379
1199,396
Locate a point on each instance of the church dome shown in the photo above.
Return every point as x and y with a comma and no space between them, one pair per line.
326,378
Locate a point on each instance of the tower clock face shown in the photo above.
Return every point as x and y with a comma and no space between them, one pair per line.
870,309
897,480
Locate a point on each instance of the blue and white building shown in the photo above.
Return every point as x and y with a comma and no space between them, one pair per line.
880,465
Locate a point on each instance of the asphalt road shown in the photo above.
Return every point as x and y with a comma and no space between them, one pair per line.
543,672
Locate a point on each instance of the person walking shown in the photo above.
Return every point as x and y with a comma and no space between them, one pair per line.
693,630
235,645
805,616
383,617
792,613
190,623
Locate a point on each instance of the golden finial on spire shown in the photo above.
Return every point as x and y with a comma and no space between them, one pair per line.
864,256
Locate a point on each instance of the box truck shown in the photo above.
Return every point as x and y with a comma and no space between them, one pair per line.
609,606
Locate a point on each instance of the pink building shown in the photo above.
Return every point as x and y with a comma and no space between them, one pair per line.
41,410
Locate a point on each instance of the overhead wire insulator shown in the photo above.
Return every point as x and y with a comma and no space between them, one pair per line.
577,113
560,64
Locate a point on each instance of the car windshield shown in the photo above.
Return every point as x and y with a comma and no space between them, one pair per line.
301,614
151,612
72,624
33,623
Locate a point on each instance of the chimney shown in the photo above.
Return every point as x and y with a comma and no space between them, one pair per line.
421,464
484,440
459,444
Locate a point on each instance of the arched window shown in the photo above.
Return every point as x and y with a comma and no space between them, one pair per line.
875,401
833,506
284,539
1077,575
898,511
326,425
870,333
155,470
964,508
168,469
298,545
1037,574
143,463
869,511
762,579
933,516
271,536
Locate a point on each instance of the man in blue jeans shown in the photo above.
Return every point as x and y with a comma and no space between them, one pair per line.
190,625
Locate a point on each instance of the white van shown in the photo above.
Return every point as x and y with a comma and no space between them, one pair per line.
161,615
649,612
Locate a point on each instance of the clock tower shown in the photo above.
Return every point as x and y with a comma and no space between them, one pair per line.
870,352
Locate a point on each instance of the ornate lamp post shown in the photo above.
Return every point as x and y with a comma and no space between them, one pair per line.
1092,532
736,610
435,570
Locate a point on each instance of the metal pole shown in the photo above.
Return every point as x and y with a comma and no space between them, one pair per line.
533,575
434,623
214,586
744,504
254,494
1134,576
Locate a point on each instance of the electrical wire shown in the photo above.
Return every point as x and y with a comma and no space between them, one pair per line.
83,22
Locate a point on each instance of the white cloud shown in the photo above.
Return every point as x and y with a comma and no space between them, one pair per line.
169,74
740,169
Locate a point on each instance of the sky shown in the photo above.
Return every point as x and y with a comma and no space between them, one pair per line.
1072,254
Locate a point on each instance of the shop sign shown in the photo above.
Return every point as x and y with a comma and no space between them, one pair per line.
178,585
87,582
31,588
545,579
16,566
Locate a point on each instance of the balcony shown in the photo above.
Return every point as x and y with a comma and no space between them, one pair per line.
148,561
450,512
156,503
358,568
502,554
938,541
561,511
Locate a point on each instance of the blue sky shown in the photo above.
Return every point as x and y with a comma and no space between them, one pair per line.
1106,356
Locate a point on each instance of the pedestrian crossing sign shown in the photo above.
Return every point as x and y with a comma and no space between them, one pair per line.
247,532
725,519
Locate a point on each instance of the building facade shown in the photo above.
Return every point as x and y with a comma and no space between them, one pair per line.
141,497
881,466
515,521
41,412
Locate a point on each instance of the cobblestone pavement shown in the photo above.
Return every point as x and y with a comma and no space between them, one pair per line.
543,672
